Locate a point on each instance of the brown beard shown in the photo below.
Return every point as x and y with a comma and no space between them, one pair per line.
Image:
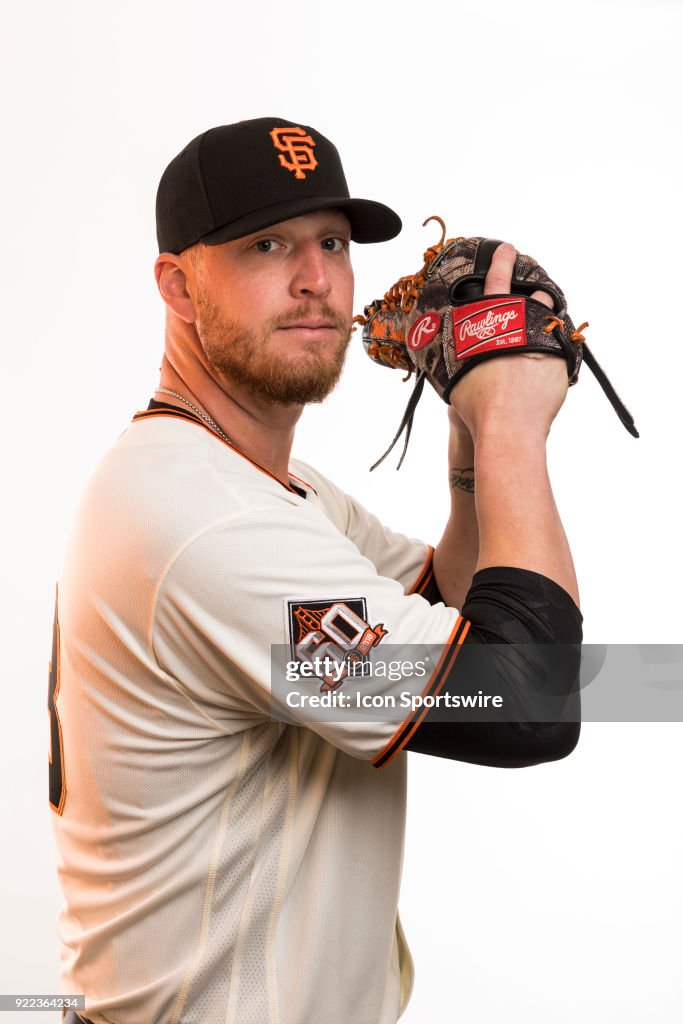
256,363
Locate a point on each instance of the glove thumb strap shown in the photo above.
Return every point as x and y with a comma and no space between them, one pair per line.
407,421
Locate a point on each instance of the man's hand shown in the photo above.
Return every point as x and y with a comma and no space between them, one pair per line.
520,393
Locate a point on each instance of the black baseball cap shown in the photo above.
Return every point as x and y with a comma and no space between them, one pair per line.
238,178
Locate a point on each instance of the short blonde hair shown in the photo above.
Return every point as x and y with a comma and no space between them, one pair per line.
193,253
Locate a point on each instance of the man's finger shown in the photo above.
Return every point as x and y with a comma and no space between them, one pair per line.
499,277
544,298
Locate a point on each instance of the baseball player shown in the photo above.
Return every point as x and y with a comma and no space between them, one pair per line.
227,855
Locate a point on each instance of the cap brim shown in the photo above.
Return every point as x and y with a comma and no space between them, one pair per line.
370,221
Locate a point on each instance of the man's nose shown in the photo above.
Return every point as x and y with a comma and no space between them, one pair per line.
310,277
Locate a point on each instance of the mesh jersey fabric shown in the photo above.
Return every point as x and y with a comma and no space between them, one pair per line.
218,865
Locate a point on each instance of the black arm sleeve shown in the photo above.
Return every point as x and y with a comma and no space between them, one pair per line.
524,641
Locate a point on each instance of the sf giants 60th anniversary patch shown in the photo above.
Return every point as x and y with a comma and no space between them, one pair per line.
333,632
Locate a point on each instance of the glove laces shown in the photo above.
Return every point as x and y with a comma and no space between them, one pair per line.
405,292
402,297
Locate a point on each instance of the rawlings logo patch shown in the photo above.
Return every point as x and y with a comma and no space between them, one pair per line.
487,326
296,150
423,331
331,635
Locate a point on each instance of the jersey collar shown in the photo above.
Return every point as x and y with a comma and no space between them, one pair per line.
155,409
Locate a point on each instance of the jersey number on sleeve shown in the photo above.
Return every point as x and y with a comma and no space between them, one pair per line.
56,754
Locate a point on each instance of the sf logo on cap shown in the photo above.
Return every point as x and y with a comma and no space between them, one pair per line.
296,150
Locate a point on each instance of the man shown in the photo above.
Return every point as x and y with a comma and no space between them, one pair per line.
221,862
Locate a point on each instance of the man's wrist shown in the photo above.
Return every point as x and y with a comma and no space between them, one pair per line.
516,438
497,423
460,445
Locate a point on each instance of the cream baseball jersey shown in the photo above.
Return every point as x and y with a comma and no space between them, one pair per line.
220,864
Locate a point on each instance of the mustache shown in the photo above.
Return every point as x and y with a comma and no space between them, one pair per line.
323,311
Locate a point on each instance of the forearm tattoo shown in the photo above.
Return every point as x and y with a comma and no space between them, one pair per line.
462,478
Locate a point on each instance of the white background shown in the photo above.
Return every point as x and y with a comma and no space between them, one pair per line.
547,895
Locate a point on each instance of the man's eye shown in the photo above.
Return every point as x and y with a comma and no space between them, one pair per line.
335,244
265,244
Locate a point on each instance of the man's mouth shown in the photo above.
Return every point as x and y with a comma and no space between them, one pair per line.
311,324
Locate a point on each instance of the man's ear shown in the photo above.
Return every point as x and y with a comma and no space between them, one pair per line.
171,277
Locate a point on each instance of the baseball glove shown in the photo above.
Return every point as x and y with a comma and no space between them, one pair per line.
438,323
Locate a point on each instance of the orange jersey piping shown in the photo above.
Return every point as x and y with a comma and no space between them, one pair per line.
181,414
433,688
426,574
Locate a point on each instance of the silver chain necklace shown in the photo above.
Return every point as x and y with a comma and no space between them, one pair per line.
204,416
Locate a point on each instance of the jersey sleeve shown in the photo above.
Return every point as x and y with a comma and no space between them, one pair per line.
401,558
260,592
